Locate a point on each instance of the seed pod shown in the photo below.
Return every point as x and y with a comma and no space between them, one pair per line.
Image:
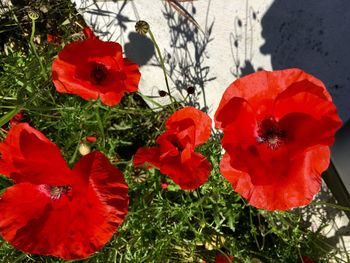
162,93
142,27
190,90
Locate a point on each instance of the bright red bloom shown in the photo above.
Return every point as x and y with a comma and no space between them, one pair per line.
277,128
93,68
222,258
175,156
51,209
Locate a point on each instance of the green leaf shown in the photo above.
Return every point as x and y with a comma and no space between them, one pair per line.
8,116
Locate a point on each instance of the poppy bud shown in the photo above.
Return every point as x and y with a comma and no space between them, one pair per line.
142,27
190,90
33,14
164,183
90,139
162,93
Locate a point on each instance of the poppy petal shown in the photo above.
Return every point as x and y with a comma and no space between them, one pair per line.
147,155
190,116
31,157
133,75
239,122
295,188
261,88
111,98
107,187
295,97
303,131
190,174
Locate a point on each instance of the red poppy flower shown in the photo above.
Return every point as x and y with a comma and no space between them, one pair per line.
222,258
277,128
175,156
93,68
51,209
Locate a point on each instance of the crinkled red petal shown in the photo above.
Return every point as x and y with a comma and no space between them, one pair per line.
261,89
148,155
188,174
133,75
304,131
306,97
28,156
189,116
296,187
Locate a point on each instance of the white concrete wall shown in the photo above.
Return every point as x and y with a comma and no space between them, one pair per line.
246,35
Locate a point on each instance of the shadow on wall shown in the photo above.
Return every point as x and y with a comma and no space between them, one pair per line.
313,35
187,57
113,26
242,44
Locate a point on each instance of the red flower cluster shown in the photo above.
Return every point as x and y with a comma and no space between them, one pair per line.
51,209
93,68
175,156
277,128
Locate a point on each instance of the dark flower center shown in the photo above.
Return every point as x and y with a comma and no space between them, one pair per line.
57,191
177,145
98,73
270,133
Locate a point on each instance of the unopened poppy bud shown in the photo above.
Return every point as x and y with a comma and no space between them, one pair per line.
164,183
90,139
33,14
162,93
190,90
84,149
142,27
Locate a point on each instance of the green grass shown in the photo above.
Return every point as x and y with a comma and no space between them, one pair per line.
162,225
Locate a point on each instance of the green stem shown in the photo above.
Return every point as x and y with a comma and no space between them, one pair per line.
31,42
74,156
161,60
100,126
150,100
